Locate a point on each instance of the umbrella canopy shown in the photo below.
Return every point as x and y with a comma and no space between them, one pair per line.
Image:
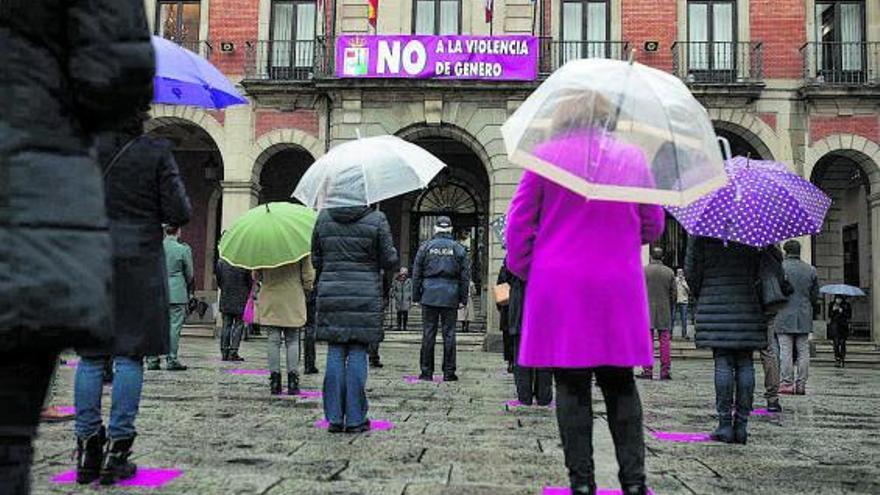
366,171
641,135
764,203
269,236
184,78
842,290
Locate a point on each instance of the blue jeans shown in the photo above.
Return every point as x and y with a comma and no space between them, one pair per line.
734,383
345,384
128,380
682,310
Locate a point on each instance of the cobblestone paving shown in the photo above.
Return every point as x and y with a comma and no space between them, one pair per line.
230,437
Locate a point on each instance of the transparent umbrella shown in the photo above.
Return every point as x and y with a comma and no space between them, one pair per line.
366,171
617,131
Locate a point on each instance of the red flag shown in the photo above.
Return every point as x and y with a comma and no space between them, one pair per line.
489,9
372,12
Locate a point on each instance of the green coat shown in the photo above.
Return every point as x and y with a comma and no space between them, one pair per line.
179,263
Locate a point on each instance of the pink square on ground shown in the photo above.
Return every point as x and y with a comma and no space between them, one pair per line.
375,424
145,477
239,371
415,379
763,412
66,409
71,363
517,404
681,437
305,394
558,490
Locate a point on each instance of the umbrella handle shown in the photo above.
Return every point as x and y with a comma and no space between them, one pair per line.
725,145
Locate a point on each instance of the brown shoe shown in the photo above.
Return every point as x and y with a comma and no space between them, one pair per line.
801,390
786,390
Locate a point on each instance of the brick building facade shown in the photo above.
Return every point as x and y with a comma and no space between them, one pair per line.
796,81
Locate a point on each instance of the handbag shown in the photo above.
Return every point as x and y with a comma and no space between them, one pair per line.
502,294
771,291
248,315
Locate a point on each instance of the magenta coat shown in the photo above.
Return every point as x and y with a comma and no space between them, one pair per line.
586,303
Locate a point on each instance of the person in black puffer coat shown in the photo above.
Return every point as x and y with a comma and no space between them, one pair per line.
235,286
70,69
730,321
350,248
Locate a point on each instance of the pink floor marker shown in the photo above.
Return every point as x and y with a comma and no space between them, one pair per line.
145,477
763,412
71,363
375,424
415,379
515,404
305,394
673,436
247,372
558,490
66,409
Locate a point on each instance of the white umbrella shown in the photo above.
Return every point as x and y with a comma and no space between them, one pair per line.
366,171
618,131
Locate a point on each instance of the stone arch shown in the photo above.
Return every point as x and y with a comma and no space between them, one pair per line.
864,152
279,139
421,130
752,129
278,170
163,115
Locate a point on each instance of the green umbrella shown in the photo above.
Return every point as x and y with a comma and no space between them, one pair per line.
269,236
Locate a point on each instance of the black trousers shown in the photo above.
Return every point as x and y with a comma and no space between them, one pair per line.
839,348
309,353
574,413
402,319
434,318
373,351
230,336
532,384
24,380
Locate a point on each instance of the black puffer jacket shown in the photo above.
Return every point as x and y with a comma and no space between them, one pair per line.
70,68
235,285
143,190
350,247
722,279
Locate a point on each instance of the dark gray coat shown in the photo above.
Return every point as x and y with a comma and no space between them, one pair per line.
70,68
723,281
441,273
235,285
661,294
143,190
350,247
796,315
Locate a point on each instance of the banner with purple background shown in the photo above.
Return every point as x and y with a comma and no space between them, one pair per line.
495,58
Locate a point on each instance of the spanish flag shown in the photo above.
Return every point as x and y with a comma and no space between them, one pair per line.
372,12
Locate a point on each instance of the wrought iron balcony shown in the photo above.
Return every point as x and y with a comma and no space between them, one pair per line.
841,63
283,60
726,63
555,53
201,47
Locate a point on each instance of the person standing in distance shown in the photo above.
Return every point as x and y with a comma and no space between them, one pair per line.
179,263
441,275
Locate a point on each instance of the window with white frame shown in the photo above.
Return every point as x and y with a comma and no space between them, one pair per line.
292,38
585,29
437,17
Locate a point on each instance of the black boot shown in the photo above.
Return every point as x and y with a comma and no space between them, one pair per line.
635,490
89,457
116,465
724,432
275,383
292,383
588,488
740,430
224,355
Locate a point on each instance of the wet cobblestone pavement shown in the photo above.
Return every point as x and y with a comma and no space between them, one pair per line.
228,436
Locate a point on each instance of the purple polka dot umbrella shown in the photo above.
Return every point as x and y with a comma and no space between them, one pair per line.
763,203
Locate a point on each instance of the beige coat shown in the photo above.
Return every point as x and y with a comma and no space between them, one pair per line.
282,299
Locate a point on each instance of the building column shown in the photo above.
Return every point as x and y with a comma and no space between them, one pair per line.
874,205
238,198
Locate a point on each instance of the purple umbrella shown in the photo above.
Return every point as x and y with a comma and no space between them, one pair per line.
763,203
184,78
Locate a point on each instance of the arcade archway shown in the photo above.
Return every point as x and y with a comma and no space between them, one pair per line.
282,167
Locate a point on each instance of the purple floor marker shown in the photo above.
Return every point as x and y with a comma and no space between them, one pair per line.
305,394
375,424
515,404
239,371
415,379
66,409
145,477
71,363
559,490
674,436
763,412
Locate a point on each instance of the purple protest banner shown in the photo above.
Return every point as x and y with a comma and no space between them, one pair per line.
495,58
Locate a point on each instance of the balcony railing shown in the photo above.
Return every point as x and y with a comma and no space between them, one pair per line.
718,62
283,60
555,53
841,63
203,48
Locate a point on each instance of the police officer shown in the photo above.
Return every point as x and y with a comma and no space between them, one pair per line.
440,279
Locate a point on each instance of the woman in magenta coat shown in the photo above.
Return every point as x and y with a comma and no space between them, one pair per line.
586,311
